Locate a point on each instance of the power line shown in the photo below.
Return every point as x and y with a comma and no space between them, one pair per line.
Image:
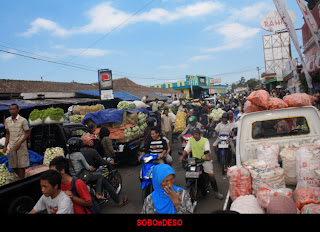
114,29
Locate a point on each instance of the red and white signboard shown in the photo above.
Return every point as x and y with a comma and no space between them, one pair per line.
273,21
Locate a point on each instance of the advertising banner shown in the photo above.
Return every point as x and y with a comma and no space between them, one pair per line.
105,84
282,9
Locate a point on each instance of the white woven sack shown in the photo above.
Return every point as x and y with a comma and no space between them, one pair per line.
288,157
247,205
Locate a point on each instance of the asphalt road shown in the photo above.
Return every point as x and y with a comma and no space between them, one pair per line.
131,187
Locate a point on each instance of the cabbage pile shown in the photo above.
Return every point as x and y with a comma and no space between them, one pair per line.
216,114
3,174
49,115
124,105
52,153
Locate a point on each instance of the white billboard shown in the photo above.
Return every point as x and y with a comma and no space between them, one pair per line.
277,49
273,22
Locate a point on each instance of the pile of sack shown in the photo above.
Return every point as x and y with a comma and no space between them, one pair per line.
260,100
261,183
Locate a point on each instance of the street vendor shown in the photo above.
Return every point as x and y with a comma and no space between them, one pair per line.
17,132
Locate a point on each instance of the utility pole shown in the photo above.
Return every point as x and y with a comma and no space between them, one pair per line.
258,69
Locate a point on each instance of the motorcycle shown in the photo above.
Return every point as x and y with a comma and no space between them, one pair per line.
197,181
146,174
224,152
184,140
113,177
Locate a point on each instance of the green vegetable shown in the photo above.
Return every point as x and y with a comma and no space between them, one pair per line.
123,105
53,113
35,114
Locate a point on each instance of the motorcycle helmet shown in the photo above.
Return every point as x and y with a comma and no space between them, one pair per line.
192,119
74,144
152,122
225,115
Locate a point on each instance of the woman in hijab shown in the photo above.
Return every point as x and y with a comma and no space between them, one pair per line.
166,197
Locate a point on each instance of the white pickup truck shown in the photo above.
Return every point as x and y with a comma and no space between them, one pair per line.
289,126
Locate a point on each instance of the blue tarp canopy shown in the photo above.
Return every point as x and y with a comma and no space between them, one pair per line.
105,116
4,104
121,95
34,159
110,115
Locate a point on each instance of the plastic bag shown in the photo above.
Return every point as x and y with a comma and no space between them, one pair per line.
308,165
264,196
249,107
181,122
239,182
276,103
288,157
310,209
268,152
299,99
306,195
259,98
269,178
247,205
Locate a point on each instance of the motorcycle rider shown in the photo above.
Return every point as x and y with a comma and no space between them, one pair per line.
224,128
200,148
193,123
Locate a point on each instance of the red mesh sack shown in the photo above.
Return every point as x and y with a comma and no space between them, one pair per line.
276,103
259,98
299,99
250,107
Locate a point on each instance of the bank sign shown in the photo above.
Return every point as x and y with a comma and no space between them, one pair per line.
105,84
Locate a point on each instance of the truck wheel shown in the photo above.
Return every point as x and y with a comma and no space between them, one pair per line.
21,205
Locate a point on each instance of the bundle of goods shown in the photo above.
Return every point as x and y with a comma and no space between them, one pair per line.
259,98
124,105
48,116
306,195
140,104
35,117
142,121
83,110
282,205
264,196
276,103
288,157
265,176
250,107
239,182
216,114
247,205
308,166
3,174
310,209
51,153
299,99
77,118
181,122
268,152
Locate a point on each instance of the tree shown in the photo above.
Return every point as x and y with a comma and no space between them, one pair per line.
312,3
253,83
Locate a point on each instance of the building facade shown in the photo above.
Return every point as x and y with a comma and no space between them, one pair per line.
195,86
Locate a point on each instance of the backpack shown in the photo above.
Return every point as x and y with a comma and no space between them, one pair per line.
95,207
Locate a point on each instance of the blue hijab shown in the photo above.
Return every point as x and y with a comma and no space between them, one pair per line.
162,203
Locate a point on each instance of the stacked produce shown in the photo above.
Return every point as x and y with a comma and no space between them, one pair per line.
142,121
216,114
3,174
260,100
137,130
47,116
80,111
124,105
181,122
52,153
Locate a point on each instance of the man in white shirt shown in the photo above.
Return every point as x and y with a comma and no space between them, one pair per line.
53,199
